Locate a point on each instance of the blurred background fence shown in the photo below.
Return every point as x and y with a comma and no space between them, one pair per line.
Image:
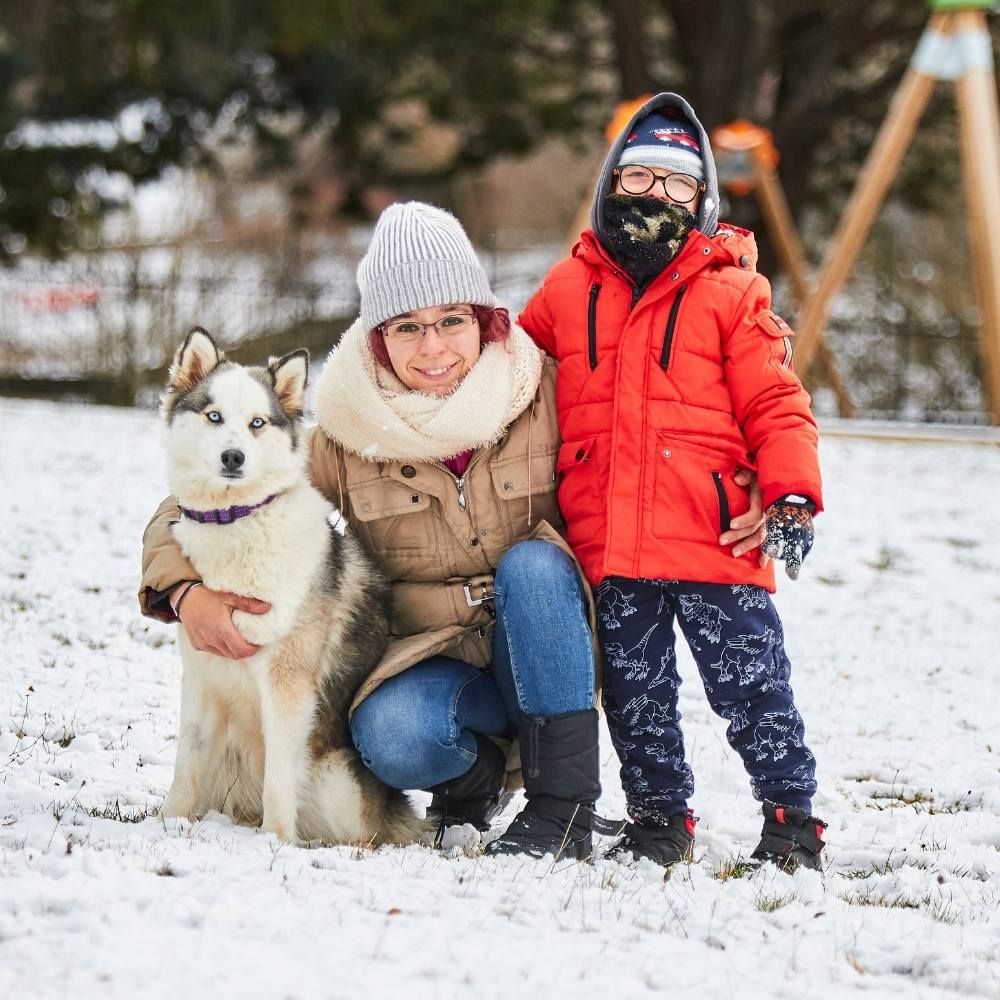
220,164
102,326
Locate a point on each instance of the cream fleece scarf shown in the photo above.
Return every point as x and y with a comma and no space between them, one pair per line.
370,412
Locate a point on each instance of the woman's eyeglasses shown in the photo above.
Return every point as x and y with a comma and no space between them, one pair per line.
409,331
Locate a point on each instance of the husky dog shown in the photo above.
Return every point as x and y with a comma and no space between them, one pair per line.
266,740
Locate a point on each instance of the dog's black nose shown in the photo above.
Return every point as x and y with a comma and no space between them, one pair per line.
232,459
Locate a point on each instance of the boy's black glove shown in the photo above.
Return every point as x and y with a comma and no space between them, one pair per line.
790,532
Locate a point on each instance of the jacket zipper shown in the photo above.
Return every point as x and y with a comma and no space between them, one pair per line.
723,502
459,481
595,290
668,337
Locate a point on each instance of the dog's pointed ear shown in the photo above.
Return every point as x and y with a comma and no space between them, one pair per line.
289,376
194,360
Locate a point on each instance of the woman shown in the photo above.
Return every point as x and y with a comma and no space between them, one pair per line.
437,441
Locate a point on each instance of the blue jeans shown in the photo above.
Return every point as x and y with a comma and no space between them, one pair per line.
419,728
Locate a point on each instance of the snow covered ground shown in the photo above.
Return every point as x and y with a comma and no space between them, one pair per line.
894,633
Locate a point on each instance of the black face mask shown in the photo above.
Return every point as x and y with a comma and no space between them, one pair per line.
645,234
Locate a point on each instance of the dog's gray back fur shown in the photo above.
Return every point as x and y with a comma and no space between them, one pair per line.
353,582
362,643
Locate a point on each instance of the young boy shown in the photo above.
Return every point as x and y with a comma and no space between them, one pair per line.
673,374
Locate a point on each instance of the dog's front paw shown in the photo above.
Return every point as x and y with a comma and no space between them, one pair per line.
178,807
279,815
283,830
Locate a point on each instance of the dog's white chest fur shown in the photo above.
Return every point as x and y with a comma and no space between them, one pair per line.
274,554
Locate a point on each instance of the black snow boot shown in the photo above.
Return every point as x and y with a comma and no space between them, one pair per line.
474,797
663,844
560,763
790,837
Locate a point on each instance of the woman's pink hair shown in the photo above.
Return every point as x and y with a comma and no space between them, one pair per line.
494,328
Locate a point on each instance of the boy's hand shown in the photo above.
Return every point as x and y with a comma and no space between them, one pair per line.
790,532
746,532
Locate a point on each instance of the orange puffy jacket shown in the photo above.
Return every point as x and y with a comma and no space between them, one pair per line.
661,398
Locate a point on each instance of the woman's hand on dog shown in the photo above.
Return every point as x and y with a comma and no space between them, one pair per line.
747,532
208,619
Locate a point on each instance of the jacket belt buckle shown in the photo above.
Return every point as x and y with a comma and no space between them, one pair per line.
473,602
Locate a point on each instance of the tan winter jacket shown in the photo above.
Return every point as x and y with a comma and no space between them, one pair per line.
437,545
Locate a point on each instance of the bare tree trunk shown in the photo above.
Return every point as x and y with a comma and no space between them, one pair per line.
722,47
630,44
717,44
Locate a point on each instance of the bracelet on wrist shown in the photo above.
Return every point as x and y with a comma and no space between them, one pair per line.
177,592
180,600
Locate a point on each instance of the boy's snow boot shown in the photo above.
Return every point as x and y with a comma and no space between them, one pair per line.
790,837
663,844
474,797
560,763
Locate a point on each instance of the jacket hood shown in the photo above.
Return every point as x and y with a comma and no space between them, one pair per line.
708,213
739,243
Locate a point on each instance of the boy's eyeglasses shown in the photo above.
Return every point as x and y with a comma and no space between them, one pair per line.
409,331
682,188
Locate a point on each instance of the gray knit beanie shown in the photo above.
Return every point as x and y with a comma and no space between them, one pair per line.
419,256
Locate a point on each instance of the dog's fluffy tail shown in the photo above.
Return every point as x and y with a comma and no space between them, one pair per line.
398,822
347,804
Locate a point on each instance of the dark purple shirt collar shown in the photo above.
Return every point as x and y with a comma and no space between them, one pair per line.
225,516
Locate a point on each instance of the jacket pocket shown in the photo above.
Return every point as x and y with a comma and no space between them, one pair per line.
779,336
695,497
671,328
517,476
578,468
525,485
391,517
720,489
582,481
595,291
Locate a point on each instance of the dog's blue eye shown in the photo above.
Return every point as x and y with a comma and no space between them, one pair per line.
214,416
257,423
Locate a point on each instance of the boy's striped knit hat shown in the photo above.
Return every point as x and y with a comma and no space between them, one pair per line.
419,256
669,143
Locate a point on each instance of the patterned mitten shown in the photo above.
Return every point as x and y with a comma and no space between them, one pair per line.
789,531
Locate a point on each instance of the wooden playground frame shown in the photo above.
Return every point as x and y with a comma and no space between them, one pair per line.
955,46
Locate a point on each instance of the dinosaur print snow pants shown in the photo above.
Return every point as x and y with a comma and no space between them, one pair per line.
736,639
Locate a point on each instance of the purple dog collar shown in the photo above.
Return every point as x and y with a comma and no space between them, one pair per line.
227,515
